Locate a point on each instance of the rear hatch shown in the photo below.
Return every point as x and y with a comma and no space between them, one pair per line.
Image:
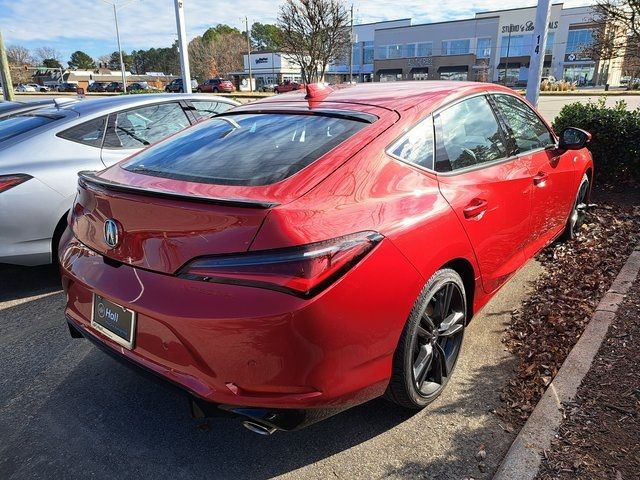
207,190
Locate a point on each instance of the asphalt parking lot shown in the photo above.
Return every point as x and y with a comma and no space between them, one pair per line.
68,411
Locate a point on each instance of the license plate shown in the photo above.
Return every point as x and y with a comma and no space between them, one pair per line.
116,322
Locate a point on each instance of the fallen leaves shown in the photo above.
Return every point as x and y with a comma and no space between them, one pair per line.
545,328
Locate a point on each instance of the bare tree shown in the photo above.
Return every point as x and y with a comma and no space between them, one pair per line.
19,56
616,35
47,53
314,34
217,56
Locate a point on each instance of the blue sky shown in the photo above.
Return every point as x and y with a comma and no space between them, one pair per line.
69,25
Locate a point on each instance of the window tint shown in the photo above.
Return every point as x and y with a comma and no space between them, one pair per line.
89,133
143,126
467,135
417,145
13,126
245,149
205,109
527,129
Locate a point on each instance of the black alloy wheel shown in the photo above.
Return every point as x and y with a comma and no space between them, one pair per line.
579,211
430,343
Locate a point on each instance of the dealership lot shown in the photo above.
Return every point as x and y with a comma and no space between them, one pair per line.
71,411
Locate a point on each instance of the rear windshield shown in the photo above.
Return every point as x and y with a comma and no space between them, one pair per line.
245,149
10,127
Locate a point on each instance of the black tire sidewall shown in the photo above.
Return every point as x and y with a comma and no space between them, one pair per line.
404,353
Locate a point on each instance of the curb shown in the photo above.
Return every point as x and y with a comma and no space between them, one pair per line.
524,457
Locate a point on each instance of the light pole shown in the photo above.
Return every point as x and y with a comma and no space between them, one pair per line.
115,17
351,48
536,60
246,23
182,46
5,74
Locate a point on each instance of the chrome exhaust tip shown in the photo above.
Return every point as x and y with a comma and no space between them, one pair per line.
258,428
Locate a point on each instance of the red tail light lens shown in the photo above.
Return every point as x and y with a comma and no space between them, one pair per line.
10,181
302,271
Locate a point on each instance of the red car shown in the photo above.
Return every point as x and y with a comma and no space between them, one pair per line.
215,85
288,86
300,255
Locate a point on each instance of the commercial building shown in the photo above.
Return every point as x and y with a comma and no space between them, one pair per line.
492,46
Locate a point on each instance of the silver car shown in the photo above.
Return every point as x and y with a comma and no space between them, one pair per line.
42,151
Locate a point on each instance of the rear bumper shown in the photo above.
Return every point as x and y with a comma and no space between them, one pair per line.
241,347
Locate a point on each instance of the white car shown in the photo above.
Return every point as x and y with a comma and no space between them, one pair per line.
41,153
38,88
25,88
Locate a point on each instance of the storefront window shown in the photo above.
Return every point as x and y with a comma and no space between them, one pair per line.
381,53
517,46
578,40
424,49
394,51
581,74
459,76
483,48
548,48
367,53
410,50
456,47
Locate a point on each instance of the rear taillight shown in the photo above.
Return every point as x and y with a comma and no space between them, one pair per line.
303,271
10,181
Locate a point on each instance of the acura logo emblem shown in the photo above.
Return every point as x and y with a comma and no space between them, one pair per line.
111,236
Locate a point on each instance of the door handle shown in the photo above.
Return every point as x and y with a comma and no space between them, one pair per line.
475,208
540,179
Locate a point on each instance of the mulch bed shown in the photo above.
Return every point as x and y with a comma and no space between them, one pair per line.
600,436
578,273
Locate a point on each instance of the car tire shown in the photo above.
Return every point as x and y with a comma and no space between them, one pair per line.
579,210
198,90
215,90
180,90
430,342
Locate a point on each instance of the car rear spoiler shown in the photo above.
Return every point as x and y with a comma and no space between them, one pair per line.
91,178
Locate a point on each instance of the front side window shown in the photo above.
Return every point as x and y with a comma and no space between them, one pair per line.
416,146
89,133
528,131
207,109
467,134
456,47
139,127
245,149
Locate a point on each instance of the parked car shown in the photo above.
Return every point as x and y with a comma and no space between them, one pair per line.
39,88
288,86
114,87
68,87
138,86
98,87
21,87
268,87
42,151
175,86
294,257
10,109
215,85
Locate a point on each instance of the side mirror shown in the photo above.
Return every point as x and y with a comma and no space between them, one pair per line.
572,138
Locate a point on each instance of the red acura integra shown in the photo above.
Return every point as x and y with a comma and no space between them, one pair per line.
300,255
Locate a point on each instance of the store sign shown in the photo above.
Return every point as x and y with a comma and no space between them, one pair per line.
260,60
525,27
420,62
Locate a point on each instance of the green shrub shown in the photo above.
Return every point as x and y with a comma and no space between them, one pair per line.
615,131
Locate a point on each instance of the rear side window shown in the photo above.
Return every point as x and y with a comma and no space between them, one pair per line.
139,127
245,149
527,129
416,146
89,133
13,126
206,109
467,134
